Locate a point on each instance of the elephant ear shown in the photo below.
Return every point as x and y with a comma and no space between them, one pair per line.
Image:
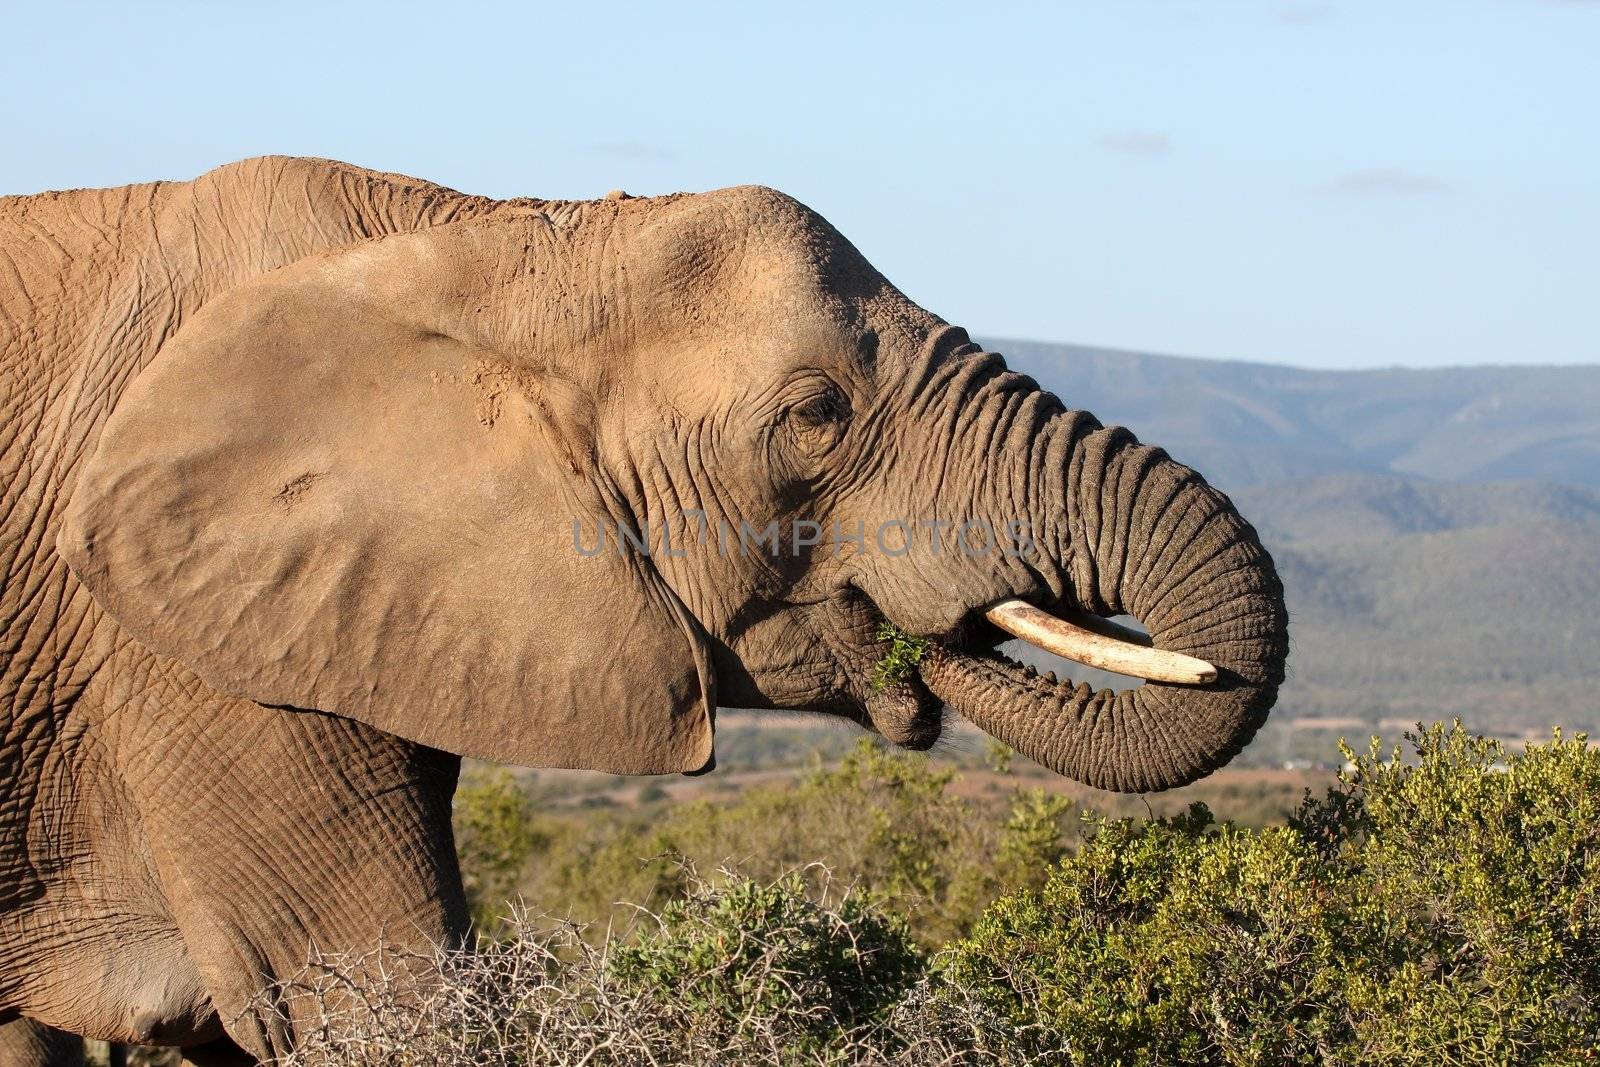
315,503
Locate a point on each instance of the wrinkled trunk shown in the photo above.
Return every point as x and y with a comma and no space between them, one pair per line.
1127,530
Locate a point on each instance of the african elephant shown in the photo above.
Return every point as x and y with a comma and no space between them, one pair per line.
318,479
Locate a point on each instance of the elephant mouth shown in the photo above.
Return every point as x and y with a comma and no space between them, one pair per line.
906,713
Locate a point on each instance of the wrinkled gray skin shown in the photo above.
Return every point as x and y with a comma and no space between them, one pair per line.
293,454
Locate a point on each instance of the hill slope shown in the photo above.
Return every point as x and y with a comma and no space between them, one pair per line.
1252,423
1419,600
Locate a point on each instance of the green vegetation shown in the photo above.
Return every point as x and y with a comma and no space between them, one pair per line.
1440,911
900,661
1434,906
496,834
748,950
885,822
936,837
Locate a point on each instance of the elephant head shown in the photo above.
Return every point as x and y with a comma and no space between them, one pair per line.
548,485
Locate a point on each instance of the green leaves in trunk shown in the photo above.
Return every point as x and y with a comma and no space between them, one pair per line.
900,661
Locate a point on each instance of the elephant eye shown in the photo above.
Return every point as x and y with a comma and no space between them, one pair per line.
817,423
828,406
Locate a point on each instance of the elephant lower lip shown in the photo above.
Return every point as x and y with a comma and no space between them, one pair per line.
907,714
905,711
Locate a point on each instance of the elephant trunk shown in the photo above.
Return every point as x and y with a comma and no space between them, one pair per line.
1129,531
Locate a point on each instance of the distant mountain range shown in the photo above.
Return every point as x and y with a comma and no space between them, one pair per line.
1253,423
1438,531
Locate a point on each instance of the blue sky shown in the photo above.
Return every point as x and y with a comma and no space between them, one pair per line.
1324,184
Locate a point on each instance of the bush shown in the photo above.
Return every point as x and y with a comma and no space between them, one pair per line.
735,973
749,954
1440,911
886,822
496,834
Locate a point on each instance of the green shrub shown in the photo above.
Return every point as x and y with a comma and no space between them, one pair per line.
1479,897
496,833
884,821
730,954
1438,911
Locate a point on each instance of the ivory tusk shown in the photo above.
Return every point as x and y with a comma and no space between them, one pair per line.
1098,642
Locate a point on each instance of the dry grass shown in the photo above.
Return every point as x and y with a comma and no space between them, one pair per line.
552,994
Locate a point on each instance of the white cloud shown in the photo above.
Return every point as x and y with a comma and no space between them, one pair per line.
1305,14
1137,143
1386,181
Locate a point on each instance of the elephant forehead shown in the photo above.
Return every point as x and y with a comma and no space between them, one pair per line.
741,289
767,268
741,363
737,243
